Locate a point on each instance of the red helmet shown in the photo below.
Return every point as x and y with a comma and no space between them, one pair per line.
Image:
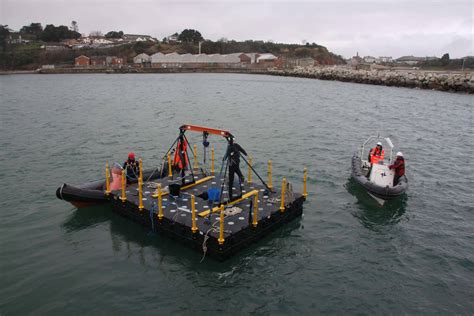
131,155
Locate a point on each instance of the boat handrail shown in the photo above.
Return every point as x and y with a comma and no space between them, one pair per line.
365,143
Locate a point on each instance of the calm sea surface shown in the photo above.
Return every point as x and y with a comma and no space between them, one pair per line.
346,255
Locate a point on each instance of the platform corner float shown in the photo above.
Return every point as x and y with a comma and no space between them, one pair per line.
377,178
187,202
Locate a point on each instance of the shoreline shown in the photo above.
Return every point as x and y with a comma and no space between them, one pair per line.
448,81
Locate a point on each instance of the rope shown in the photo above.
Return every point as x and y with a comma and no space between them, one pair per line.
206,235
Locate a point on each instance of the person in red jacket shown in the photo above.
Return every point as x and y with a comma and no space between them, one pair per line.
399,166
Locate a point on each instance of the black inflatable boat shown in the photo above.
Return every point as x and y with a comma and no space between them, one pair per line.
377,178
93,193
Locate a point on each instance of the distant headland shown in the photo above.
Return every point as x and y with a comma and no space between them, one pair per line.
62,49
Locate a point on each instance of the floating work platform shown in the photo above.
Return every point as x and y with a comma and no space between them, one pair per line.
219,231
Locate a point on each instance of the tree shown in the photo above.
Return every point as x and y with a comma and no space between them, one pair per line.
53,33
74,26
445,59
190,36
4,33
113,34
34,30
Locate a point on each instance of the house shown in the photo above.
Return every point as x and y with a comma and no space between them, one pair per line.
81,61
266,58
98,61
369,59
114,61
173,39
100,40
386,59
245,58
138,38
142,59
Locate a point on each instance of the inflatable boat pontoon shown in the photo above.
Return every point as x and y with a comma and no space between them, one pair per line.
93,193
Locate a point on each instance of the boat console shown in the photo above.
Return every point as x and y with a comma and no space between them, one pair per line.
381,175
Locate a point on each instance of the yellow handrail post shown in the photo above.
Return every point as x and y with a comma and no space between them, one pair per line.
212,160
255,211
140,194
160,204
195,154
305,179
270,184
124,181
140,168
194,228
107,179
249,174
283,192
221,226
170,171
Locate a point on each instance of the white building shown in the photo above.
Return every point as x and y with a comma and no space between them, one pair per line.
266,58
369,59
386,59
142,59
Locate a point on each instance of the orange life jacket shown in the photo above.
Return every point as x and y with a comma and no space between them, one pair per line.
180,157
376,155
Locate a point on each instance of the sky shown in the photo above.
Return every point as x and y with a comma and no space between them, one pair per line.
372,27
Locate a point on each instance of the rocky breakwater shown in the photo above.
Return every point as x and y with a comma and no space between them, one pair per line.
435,80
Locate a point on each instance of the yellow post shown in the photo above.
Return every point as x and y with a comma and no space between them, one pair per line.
255,211
305,178
107,179
212,160
249,174
140,168
195,153
221,226
270,184
283,189
124,182
160,205
140,194
170,172
194,228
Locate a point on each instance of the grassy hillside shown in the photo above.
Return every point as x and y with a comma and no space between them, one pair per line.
31,56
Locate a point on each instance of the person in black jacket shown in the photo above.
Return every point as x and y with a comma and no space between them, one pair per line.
233,154
131,167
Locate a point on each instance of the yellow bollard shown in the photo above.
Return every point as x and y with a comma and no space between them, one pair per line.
160,204
195,154
249,174
140,194
124,182
221,226
305,178
170,171
194,228
283,192
107,179
140,168
270,183
212,160
255,211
